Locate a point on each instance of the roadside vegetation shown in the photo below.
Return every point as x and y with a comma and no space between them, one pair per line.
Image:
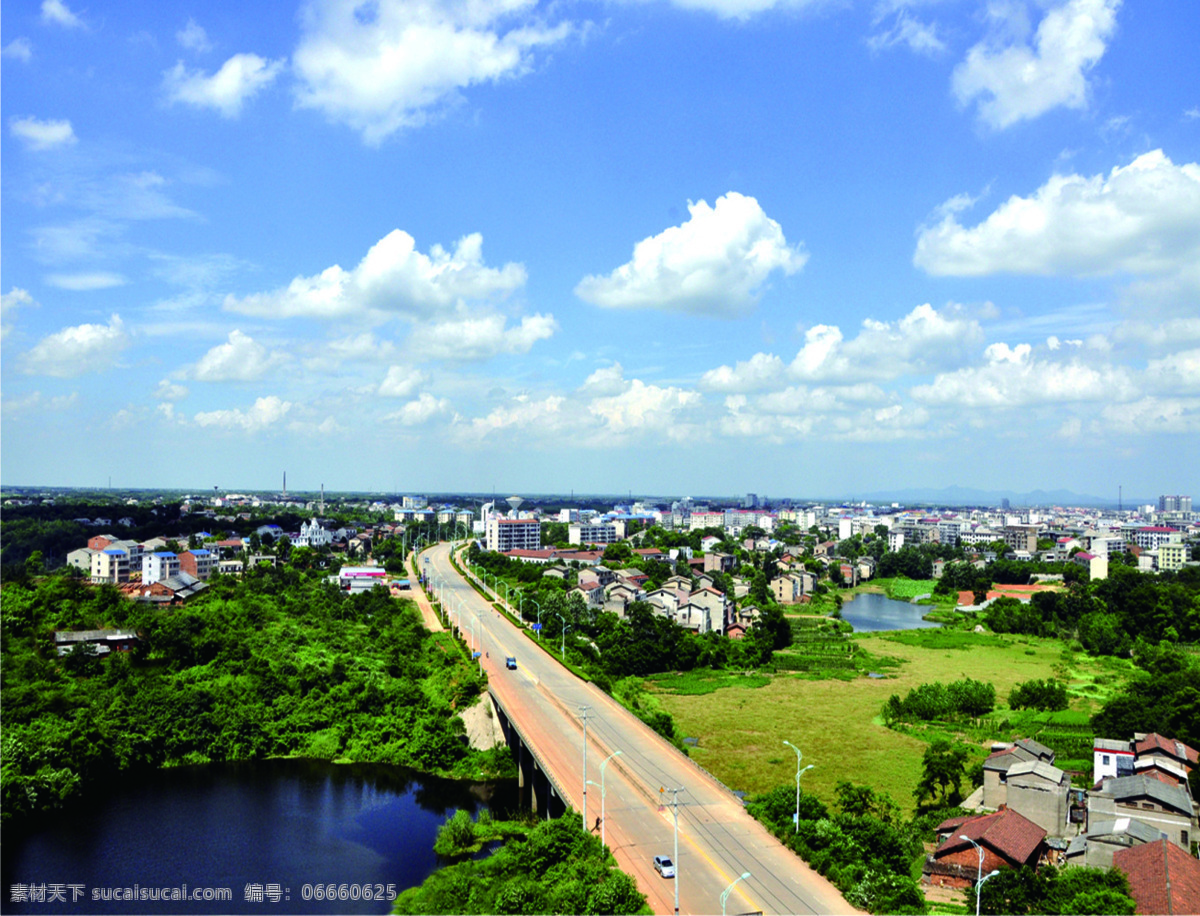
546,867
278,663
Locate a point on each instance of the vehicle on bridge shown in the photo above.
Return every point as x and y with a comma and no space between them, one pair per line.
664,866
510,663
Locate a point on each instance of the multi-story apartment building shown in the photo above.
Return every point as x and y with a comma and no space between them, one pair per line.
1151,537
592,533
505,534
198,562
1172,555
700,520
110,565
158,566
1021,537
1174,504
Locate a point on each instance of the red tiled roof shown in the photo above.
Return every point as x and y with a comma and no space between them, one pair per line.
1155,741
1006,833
1162,877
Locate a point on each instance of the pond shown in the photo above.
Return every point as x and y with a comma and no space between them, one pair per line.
258,837
871,612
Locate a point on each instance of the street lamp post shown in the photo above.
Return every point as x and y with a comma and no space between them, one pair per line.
725,894
675,809
603,795
980,876
584,717
799,773
539,607
563,648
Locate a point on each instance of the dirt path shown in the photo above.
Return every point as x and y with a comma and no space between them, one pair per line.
418,595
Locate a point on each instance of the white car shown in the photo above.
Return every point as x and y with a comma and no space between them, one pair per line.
664,866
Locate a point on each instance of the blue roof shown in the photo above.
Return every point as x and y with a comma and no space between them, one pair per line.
164,553
199,553
114,550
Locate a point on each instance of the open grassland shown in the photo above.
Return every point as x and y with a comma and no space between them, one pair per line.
835,722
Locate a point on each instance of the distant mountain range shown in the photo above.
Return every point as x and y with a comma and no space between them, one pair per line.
967,496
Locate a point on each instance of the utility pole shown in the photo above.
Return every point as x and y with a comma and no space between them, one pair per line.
675,859
584,711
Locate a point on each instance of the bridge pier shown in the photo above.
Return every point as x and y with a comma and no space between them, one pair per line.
533,785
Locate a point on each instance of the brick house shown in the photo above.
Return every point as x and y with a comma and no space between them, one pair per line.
1162,877
1008,840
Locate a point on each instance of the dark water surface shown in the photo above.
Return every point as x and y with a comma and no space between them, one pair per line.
287,823
871,611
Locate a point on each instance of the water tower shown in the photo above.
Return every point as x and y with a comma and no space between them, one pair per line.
515,503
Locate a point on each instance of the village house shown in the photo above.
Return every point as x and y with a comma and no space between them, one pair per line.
1008,840
1162,878
1167,808
105,641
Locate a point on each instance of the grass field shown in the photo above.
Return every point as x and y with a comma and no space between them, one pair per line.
835,722
904,589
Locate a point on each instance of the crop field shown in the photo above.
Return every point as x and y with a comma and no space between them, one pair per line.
834,720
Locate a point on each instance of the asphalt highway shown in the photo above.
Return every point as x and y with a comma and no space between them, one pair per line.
718,840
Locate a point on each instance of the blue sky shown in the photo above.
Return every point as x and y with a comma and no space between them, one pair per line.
704,246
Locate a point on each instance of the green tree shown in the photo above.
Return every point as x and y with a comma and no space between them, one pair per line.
943,768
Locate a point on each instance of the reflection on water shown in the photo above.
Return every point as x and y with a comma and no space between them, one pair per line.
289,823
871,611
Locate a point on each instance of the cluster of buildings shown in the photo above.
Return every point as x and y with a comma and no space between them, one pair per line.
1139,816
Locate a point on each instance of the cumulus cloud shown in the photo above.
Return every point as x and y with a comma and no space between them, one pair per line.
743,9
1015,377
77,350
239,359
546,414
400,382
1176,372
860,412
19,49
239,79
170,391
608,380
37,134
715,263
35,401
58,13
479,338
1143,218
14,299
1014,80
642,406
193,37
1151,415
923,340
393,279
266,412
400,64
762,370
420,410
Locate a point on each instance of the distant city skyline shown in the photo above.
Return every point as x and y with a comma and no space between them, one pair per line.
791,246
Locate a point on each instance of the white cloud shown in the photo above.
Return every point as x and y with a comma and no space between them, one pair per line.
80,283
76,350
36,402
479,338
394,278
239,359
715,263
420,410
1014,81
14,299
743,9
1143,218
1015,377
266,412
1190,115
607,380
397,65
762,370
42,135
1150,415
58,13
19,49
193,37
170,391
1158,336
920,37
546,414
400,382
643,406
1176,372
240,78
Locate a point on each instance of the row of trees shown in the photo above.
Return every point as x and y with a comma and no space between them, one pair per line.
278,663
967,698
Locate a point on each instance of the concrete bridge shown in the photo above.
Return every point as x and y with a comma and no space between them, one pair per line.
542,709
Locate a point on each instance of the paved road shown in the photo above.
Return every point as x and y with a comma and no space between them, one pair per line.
718,840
